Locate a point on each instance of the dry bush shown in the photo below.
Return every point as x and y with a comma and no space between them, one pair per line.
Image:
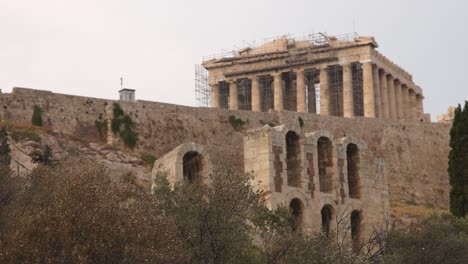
73,213
439,238
213,220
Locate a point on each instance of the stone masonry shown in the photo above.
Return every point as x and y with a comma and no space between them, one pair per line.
411,157
328,75
334,176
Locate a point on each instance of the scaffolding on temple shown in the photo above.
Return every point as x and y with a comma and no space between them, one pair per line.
288,77
357,84
202,89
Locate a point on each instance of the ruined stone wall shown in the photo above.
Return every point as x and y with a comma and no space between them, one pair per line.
412,155
363,191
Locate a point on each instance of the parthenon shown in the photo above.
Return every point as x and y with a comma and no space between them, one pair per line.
328,75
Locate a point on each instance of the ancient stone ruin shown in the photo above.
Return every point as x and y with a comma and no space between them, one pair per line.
327,75
330,127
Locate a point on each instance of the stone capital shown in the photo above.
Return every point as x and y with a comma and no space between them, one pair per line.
276,74
300,70
367,61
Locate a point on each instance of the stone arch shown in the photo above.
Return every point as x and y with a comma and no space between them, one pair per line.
293,158
192,167
296,206
356,228
197,163
353,148
325,164
353,170
327,214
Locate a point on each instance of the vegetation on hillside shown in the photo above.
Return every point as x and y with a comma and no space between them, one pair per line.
237,123
36,118
458,162
74,212
123,125
5,157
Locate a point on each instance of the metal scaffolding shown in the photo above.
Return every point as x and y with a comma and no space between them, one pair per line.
335,86
244,92
266,92
312,82
357,84
288,77
202,89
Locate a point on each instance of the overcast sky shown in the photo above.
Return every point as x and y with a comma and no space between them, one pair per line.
83,47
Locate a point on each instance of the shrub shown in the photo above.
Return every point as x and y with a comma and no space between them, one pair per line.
236,123
30,134
123,125
74,213
42,155
301,121
436,239
212,219
101,127
37,116
148,159
5,157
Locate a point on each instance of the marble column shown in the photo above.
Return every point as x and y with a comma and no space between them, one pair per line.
348,99
384,95
301,92
391,97
233,97
398,99
378,100
368,90
419,107
324,92
256,103
278,91
412,105
404,101
214,95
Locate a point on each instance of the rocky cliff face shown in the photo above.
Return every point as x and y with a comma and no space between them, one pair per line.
27,142
412,155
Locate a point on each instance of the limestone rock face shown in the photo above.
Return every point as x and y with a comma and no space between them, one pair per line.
118,162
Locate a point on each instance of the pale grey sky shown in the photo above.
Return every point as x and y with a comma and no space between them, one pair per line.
83,47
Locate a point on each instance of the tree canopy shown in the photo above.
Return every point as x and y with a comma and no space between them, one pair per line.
458,162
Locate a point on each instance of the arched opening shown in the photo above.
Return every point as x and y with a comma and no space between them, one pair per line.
327,213
293,160
297,212
352,155
193,167
356,229
325,164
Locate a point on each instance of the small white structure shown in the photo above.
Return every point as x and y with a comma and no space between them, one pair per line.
127,95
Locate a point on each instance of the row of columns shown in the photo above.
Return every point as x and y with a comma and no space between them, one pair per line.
394,99
383,95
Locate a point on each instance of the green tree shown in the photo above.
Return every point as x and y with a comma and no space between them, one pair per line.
458,163
37,116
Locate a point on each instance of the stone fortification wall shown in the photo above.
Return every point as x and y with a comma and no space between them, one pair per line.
413,155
